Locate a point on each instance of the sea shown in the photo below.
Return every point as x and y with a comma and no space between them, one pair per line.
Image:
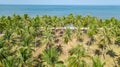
62,10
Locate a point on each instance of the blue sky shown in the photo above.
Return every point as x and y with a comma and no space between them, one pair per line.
62,2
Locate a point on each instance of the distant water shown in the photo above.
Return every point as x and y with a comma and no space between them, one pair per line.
61,10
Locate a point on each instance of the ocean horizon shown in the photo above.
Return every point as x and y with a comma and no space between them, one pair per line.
100,11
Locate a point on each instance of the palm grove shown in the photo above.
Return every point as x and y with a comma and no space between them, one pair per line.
49,41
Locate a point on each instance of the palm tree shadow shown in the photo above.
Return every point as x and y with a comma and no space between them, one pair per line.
98,52
111,53
118,60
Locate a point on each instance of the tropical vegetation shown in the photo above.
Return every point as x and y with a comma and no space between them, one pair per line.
53,41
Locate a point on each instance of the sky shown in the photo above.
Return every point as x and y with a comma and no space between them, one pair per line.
62,2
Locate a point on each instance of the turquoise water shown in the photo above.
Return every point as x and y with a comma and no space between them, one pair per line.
61,10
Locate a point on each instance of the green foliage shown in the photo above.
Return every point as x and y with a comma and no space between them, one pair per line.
51,57
17,31
77,58
67,35
10,61
15,58
98,63
25,53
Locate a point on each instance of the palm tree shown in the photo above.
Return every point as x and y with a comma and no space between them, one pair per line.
50,57
67,35
26,17
47,38
7,37
2,42
77,21
24,55
10,61
3,24
70,19
8,58
91,32
117,41
27,39
97,62
77,57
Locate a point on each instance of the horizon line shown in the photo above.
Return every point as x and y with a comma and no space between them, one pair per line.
68,4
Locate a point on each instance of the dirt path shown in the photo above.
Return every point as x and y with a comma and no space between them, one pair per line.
39,51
